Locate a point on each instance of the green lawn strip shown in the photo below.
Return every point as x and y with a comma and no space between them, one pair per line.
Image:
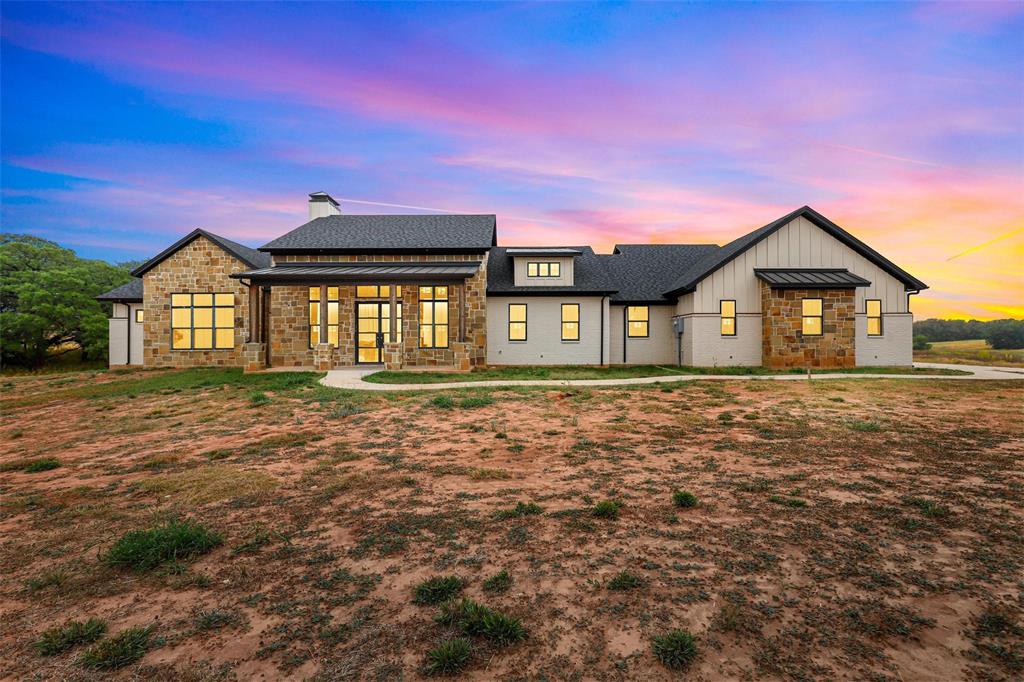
560,373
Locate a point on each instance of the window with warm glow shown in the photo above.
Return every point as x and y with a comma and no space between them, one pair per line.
727,309
570,322
812,316
553,269
433,317
138,315
333,312
517,322
377,292
873,308
202,321
637,318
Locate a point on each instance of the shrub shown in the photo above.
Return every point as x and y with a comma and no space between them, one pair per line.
142,550
865,426
476,401
258,398
607,509
932,510
448,657
499,582
443,402
521,509
122,649
475,619
921,343
681,498
44,464
625,580
437,589
788,501
675,649
57,640
214,619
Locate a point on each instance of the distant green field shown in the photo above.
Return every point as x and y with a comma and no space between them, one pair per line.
971,351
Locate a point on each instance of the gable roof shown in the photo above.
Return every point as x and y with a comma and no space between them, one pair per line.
711,262
644,272
246,254
589,274
132,291
447,233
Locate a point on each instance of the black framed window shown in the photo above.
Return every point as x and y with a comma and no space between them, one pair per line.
727,309
202,321
433,317
811,310
545,269
517,322
333,302
570,322
374,291
637,321
873,309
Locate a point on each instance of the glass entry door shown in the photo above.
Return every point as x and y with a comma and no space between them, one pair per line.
373,328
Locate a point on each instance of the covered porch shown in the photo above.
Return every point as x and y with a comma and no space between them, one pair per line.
377,314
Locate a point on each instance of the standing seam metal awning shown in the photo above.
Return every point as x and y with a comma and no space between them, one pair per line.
810,278
362,272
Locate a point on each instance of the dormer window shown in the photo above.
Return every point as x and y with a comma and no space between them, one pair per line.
544,269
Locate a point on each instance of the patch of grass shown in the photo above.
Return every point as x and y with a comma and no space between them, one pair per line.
485,474
865,426
143,550
932,510
442,402
788,501
607,509
624,580
676,649
521,509
122,649
54,578
475,619
681,498
449,657
474,401
43,464
437,589
59,639
258,399
214,619
211,483
499,582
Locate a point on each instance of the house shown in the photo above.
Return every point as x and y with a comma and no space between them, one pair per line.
437,290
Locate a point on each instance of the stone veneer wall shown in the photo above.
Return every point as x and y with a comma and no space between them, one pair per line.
783,343
199,267
289,321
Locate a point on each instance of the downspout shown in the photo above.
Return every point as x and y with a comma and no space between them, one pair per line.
128,333
625,331
600,352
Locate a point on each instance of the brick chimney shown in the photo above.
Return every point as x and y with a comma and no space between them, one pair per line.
322,204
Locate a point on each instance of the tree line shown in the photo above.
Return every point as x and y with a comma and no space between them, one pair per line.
48,301
1003,334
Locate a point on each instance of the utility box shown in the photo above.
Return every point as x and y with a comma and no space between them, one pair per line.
677,325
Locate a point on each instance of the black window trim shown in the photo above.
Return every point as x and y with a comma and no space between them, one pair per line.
647,322
525,323
192,318
138,311
724,317
868,318
549,263
433,316
579,323
821,317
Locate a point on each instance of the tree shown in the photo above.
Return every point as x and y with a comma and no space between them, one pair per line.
1005,334
47,300
921,343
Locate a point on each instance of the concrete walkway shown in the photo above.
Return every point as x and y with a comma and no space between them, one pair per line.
352,378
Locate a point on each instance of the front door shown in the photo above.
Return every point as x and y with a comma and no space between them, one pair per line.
373,328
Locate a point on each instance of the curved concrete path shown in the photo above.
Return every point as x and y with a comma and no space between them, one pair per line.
352,378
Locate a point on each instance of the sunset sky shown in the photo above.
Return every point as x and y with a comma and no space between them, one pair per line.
124,126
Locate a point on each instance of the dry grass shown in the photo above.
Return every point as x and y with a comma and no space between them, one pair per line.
207,484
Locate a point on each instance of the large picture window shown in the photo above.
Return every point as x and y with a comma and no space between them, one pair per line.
637,320
202,321
873,308
332,303
433,317
811,311
570,322
552,269
517,322
727,309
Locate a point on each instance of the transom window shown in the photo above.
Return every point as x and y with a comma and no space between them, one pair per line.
637,319
433,317
727,309
873,308
551,269
332,302
517,322
202,321
811,311
570,322
377,292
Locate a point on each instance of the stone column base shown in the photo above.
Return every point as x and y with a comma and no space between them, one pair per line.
254,356
461,350
392,355
323,356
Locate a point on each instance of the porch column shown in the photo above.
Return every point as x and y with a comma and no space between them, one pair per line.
462,311
323,313
393,309
253,312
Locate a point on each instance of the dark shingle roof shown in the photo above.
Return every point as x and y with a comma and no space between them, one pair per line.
246,254
711,262
132,291
810,278
589,275
644,272
383,233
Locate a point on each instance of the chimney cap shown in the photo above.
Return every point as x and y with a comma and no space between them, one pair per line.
323,196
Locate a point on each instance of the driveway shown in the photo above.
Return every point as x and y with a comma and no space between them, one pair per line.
352,378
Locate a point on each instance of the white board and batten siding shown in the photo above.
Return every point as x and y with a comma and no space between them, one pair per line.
125,335
544,344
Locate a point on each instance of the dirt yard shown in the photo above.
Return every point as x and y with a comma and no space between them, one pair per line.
859,529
